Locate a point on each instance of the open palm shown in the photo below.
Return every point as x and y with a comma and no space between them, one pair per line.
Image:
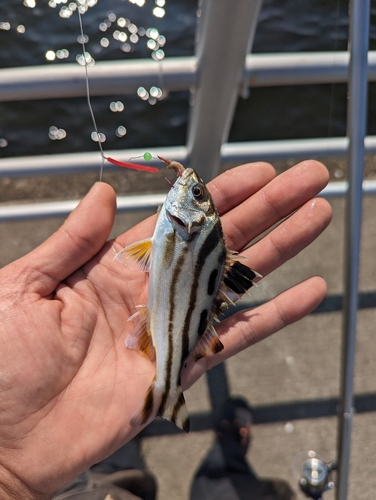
68,384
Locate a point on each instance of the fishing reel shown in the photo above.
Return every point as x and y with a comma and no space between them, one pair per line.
313,474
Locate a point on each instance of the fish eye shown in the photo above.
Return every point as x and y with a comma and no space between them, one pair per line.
198,191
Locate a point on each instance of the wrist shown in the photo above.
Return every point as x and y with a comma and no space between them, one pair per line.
12,488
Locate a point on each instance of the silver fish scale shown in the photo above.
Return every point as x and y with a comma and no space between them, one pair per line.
178,292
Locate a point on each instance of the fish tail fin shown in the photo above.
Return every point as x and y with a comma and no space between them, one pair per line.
176,410
156,404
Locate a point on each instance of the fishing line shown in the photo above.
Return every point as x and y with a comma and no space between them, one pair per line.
146,156
88,96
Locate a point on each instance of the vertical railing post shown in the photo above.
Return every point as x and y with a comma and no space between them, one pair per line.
356,131
225,34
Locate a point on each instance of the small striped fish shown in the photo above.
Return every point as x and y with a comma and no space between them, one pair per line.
192,278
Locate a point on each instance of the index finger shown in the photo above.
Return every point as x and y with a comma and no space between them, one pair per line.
273,202
235,186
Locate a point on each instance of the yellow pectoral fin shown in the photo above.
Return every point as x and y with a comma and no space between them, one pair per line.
137,255
140,337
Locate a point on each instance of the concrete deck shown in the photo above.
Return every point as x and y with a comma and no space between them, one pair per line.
291,378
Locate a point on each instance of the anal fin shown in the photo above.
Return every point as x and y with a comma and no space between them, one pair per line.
140,337
208,345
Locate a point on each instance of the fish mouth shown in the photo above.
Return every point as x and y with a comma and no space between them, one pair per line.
176,220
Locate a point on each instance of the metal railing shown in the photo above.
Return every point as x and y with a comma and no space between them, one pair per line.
174,73
231,153
68,80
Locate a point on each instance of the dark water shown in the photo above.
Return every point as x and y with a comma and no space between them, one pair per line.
268,113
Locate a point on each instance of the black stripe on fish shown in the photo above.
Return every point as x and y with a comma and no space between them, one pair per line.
203,322
212,281
207,247
170,354
179,403
167,387
239,278
185,342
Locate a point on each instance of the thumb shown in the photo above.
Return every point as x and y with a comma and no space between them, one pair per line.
80,237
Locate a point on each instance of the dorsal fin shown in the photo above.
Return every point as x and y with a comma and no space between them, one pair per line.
239,278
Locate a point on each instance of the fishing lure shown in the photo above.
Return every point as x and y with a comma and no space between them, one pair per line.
193,277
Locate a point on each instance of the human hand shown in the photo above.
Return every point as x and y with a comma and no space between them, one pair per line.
68,384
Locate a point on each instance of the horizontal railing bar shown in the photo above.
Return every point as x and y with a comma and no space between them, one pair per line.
63,208
263,70
287,148
135,203
236,152
171,74
106,78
